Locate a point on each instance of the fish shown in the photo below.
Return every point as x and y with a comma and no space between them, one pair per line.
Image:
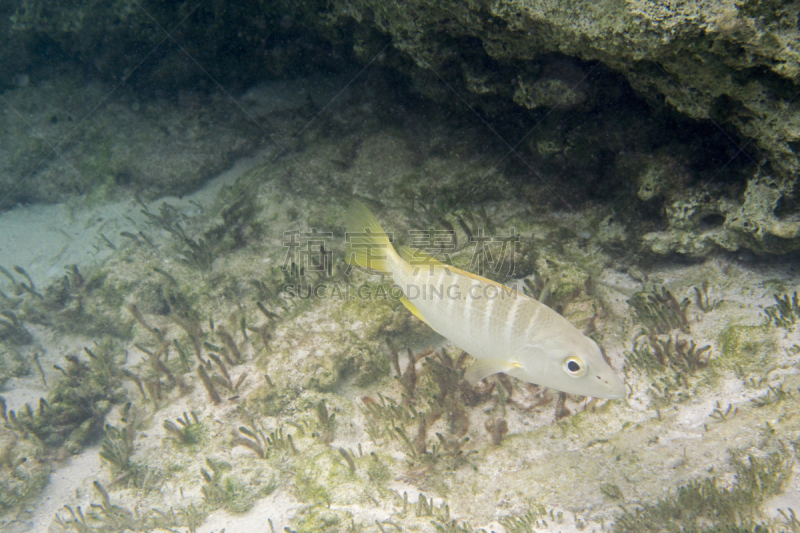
503,329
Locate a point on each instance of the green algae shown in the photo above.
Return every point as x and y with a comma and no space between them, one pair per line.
697,505
377,310
749,348
786,311
221,489
23,471
359,358
271,400
76,405
188,432
315,519
12,364
310,490
378,472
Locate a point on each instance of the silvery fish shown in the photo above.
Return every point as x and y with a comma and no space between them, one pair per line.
506,331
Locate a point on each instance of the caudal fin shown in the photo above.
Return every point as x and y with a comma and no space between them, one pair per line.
368,246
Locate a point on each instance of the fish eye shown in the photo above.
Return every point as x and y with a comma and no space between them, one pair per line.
574,366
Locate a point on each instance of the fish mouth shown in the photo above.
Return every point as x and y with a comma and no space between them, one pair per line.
614,388
617,390
614,395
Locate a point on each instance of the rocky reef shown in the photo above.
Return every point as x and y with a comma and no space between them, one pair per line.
733,65
726,72
212,362
210,378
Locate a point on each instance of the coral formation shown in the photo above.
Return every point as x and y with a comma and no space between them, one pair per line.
699,224
731,64
599,89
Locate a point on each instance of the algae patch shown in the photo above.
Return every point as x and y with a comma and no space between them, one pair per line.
749,348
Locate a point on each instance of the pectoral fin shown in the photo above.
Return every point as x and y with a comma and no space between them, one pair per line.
483,368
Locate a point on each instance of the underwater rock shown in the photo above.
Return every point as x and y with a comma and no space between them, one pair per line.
23,473
733,65
655,176
248,40
700,224
737,64
159,149
558,84
756,223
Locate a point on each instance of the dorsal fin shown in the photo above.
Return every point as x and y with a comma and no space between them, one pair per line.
422,259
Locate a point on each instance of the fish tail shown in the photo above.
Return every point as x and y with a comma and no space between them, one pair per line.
368,246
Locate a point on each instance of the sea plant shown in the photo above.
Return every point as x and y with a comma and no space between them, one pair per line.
221,490
454,526
326,422
12,364
527,522
702,300
70,303
786,311
75,407
707,502
117,448
451,401
107,517
654,354
187,431
24,472
660,311
252,438
223,378
197,252
348,457
257,440
21,286
385,413
12,330
774,395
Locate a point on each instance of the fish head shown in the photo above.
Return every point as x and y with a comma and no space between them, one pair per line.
574,365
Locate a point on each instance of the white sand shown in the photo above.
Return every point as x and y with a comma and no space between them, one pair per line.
42,239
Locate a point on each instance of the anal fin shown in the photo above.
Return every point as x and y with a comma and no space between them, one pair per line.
483,368
414,311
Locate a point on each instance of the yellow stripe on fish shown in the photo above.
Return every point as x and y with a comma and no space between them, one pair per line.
504,330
